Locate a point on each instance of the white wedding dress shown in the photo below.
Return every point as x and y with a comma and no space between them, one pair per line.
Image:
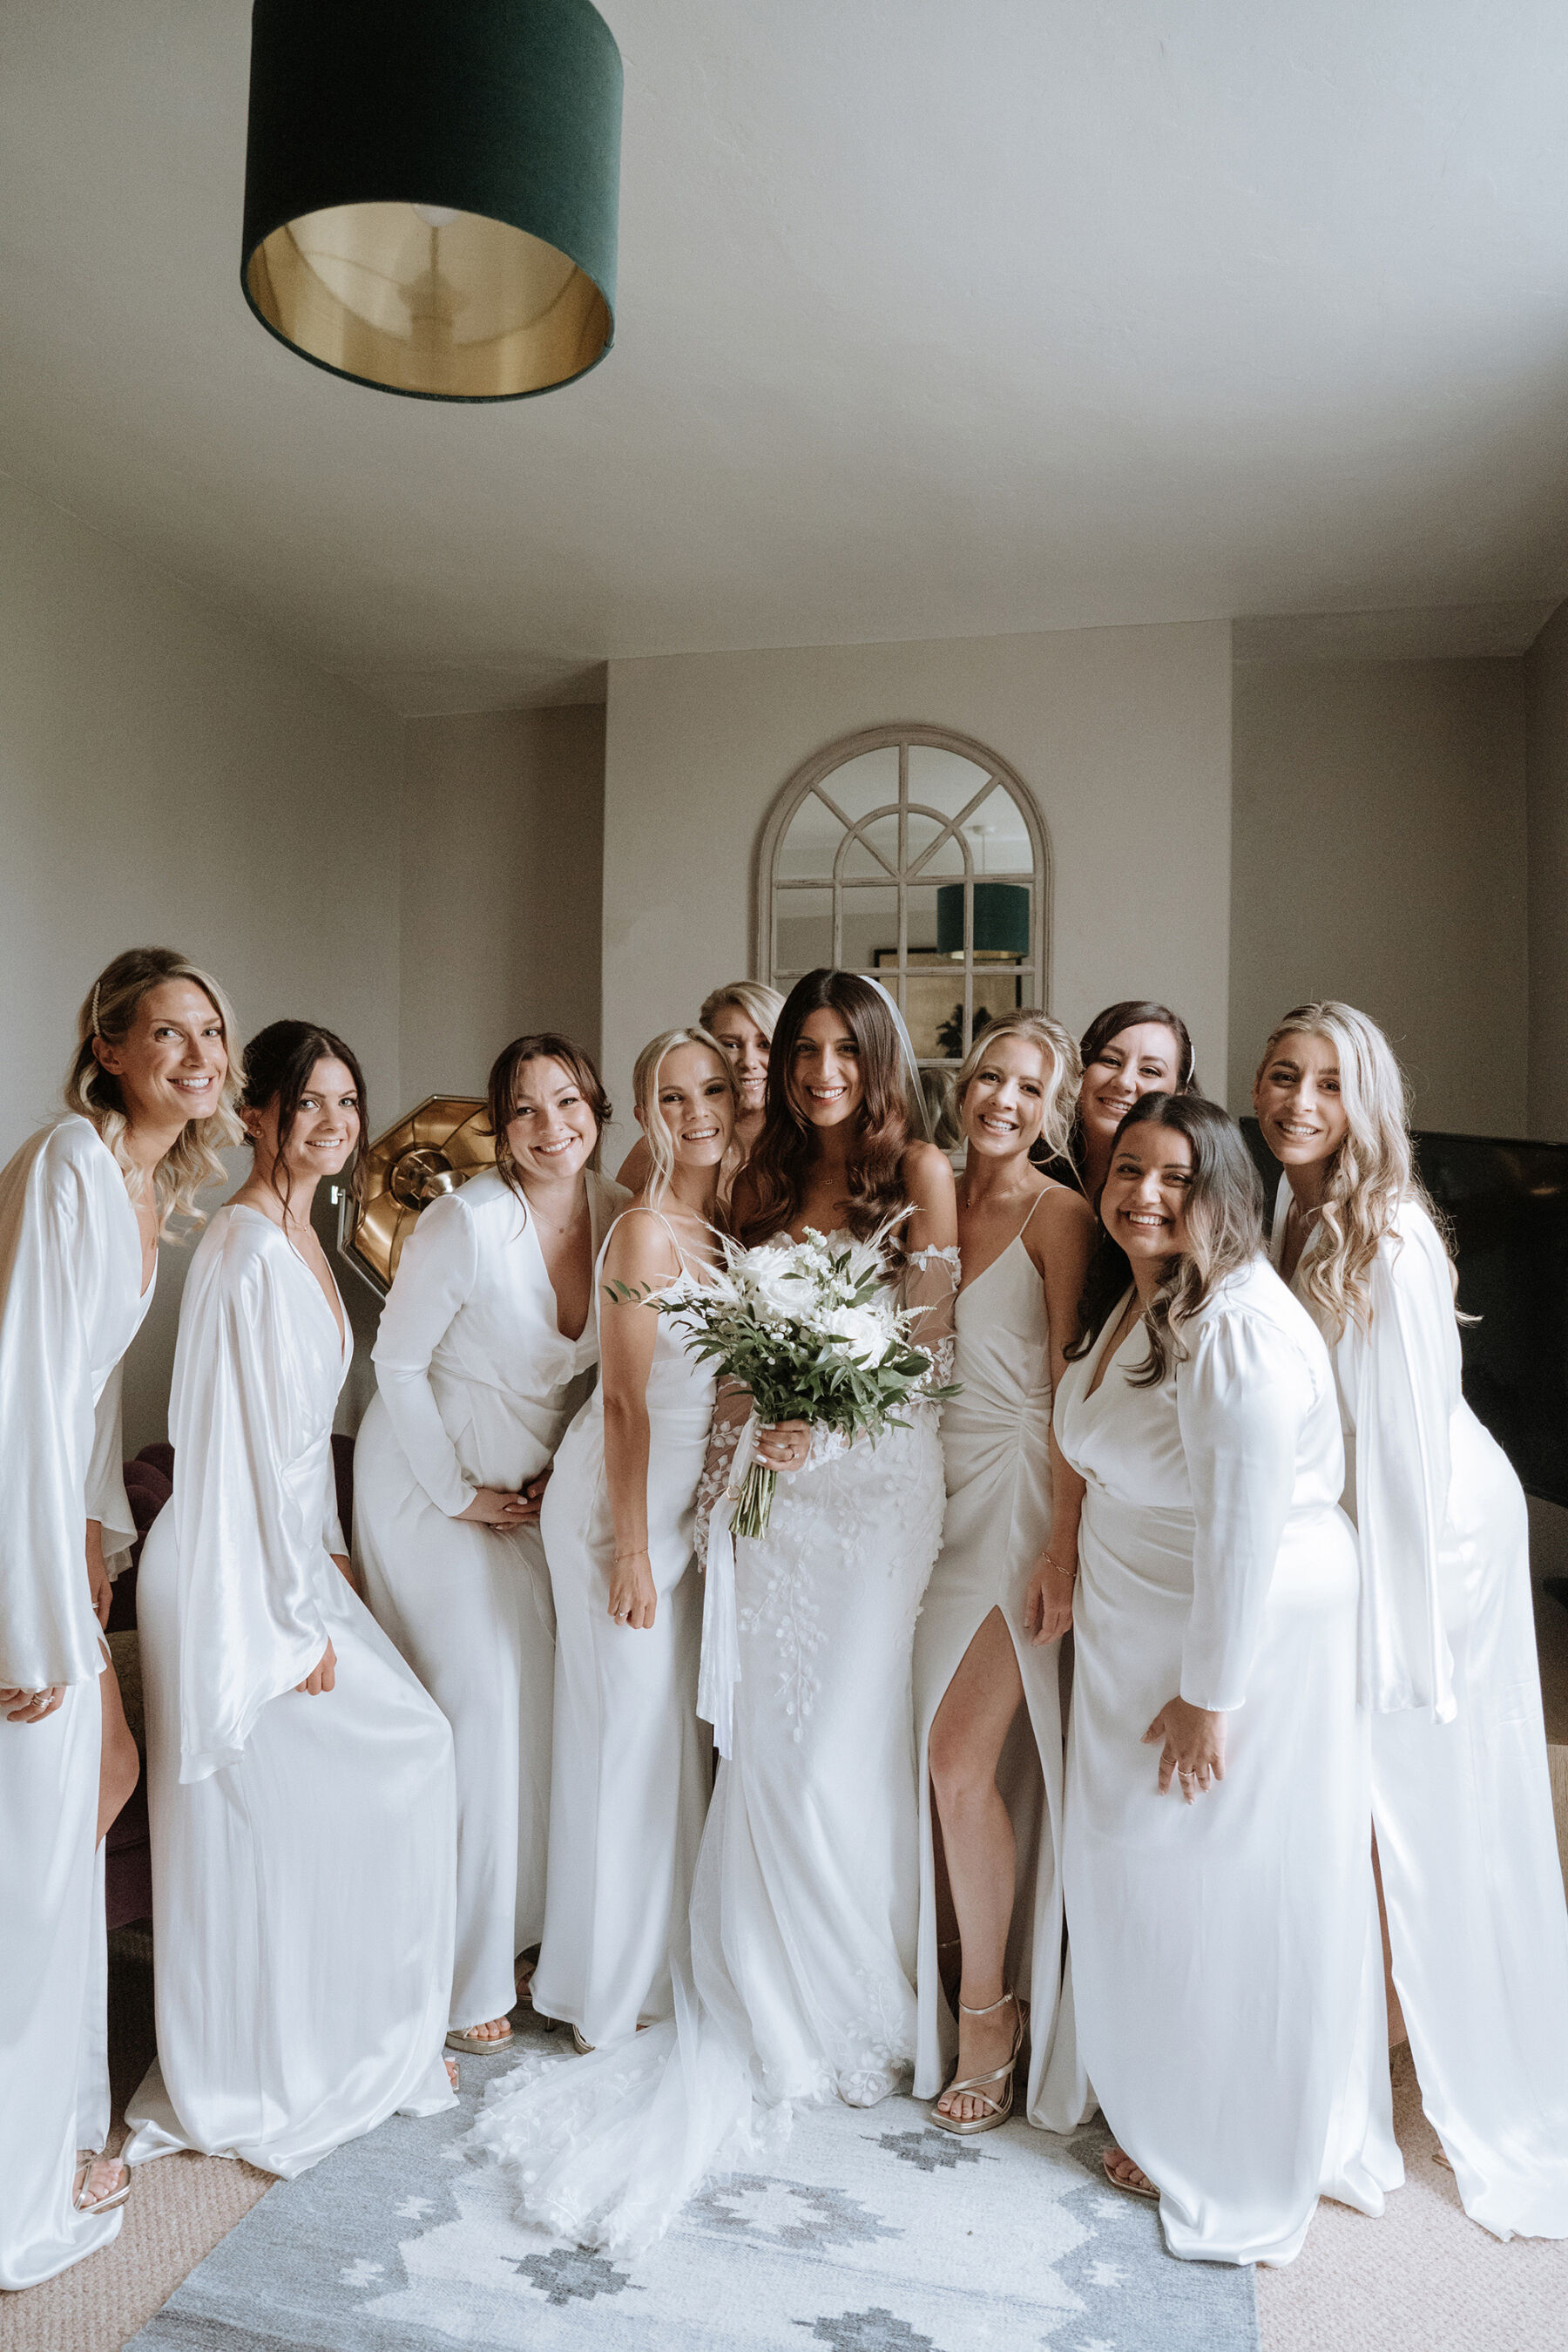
303,1848
70,1304
995,1439
476,1383
1224,1965
795,1981
1460,1794
629,1782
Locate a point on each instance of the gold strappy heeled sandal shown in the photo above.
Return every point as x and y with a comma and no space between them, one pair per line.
978,2085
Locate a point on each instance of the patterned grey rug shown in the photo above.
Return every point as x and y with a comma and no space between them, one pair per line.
872,2233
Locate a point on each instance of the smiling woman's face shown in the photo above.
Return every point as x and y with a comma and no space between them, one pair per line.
1298,1101
1004,1101
1144,1060
826,1077
697,1106
747,1050
1143,1206
172,1060
551,1131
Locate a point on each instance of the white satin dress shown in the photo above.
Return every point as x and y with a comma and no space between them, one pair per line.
995,1441
630,1774
70,1304
476,1384
1461,1793
795,1982
1223,1952
303,1849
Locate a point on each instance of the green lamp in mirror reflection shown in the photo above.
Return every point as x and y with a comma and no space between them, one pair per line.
1000,919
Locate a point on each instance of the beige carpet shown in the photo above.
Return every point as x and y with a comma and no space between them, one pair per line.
1421,2279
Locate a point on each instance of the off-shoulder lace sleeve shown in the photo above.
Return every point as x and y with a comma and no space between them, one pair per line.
929,1289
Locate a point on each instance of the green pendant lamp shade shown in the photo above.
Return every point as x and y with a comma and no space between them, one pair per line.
431,190
1000,919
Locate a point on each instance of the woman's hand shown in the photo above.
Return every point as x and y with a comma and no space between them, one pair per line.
633,1598
785,1445
30,1706
98,1584
1048,1605
529,1501
323,1678
493,1506
1191,1748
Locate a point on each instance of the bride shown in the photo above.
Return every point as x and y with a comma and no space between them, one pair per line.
795,1981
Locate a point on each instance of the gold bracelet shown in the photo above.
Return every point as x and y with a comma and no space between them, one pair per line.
641,1552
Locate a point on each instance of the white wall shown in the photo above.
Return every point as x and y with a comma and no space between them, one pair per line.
1122,735
166,778
1378,855
1546,717
502,849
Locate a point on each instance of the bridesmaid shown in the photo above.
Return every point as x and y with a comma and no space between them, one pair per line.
82,1207
740,1017
1000,1596
486,1347
630,1784
1460,1794
300,1782
1219,1897
1131,1049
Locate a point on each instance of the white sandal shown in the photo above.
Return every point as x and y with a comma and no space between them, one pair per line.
86,2159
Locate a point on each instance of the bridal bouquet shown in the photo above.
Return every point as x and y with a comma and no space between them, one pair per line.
810,1328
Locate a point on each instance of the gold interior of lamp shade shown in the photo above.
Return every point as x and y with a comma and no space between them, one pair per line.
470,309
431,1152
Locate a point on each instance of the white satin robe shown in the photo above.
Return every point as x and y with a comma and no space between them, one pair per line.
70,1304
1223,1953
1460,1794
303,1849
476,1385
995,1443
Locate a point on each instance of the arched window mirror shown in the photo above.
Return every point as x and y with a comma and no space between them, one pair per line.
918,856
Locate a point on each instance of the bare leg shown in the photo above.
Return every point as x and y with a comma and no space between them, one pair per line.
966,1740
120,1767
1397,2027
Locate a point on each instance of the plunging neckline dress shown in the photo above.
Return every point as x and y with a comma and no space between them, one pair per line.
630,1763
995,1443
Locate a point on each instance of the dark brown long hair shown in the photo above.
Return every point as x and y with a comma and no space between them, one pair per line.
780,1156
539,1045
1224,1230
278,1061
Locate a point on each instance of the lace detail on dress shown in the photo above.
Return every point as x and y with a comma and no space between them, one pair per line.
722,1439
928,1288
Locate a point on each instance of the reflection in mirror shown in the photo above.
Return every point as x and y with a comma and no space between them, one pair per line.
808,848
941,778
870,783
802,930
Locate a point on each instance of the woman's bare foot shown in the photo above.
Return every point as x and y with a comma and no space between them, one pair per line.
494,2029
452,2075
1123,2173
983,2044
99,2181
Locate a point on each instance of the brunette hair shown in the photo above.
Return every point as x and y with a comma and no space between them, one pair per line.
1224,1230
539,1045
108,1010
278,1061
1130,1014
1063,1072
761,1004
781,1154
1371,1173
645,1093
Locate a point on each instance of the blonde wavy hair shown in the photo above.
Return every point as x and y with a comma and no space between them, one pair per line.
759,1003
645,1095
109,1012
1371,1172
1064,1071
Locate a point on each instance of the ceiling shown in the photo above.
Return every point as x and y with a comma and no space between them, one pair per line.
937,318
